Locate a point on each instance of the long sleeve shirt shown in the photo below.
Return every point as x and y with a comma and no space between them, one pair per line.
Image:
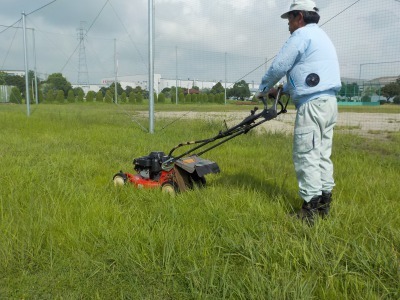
308,51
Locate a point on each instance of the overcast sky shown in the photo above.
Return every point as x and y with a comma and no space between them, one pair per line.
212,39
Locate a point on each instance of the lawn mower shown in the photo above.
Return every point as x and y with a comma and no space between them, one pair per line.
187,170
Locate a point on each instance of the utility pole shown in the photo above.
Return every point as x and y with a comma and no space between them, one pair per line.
27,98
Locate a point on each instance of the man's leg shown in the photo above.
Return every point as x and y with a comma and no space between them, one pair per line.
306,152
326,164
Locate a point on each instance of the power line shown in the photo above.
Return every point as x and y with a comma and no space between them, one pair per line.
130,38
339,13
11,26
9,48
8,27
32,12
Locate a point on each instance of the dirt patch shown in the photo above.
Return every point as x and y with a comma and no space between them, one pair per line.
367,124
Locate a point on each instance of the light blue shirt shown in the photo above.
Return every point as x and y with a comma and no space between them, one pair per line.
308,50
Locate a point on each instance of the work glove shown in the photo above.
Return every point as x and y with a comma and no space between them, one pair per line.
259,96
272,93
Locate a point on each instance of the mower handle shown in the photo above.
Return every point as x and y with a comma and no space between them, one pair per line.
243,127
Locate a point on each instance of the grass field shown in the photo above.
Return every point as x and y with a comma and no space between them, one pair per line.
67,233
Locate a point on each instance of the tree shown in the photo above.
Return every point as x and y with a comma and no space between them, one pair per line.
108,97
103,90
217,89
132,97
349,90
41,96
77,90
181,98
220,98
240,90
123,97
167,92
81,96
391,90
58,82
139,98
15,80
120,90
60,96
50,96
99,96
161,98
128,90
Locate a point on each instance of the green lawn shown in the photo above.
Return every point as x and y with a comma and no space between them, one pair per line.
67,233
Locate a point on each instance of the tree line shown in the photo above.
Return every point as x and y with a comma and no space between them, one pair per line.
390,91
57,89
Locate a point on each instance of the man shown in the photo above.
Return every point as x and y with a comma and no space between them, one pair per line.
309,61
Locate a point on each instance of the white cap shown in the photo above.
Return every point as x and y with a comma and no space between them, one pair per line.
306,5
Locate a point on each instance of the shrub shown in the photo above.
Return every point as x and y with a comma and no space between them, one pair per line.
71,96
15,96
161,98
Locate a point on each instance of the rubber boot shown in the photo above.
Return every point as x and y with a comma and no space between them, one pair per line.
309,210
325,204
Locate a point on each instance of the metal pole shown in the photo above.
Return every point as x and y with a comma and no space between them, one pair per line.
26,67
176,78
115,70
225,78
151,68
34,56
359,77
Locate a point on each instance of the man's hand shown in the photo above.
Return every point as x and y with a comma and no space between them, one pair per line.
259,95
272,93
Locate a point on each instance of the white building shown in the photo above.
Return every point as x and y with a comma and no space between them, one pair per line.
162,83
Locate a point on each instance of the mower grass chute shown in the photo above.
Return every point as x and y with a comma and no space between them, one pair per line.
186,171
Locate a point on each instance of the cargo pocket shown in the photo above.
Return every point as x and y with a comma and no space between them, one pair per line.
303,139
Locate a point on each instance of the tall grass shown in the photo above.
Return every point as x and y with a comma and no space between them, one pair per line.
67,233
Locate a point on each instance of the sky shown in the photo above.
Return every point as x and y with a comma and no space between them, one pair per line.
210,40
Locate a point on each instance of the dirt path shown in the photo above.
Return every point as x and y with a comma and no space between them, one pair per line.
369,124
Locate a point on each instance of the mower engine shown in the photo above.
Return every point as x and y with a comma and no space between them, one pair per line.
149,167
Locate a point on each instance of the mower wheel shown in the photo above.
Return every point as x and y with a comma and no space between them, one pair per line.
119,179
169,187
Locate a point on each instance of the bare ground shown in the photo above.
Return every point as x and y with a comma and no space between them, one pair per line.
366,124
